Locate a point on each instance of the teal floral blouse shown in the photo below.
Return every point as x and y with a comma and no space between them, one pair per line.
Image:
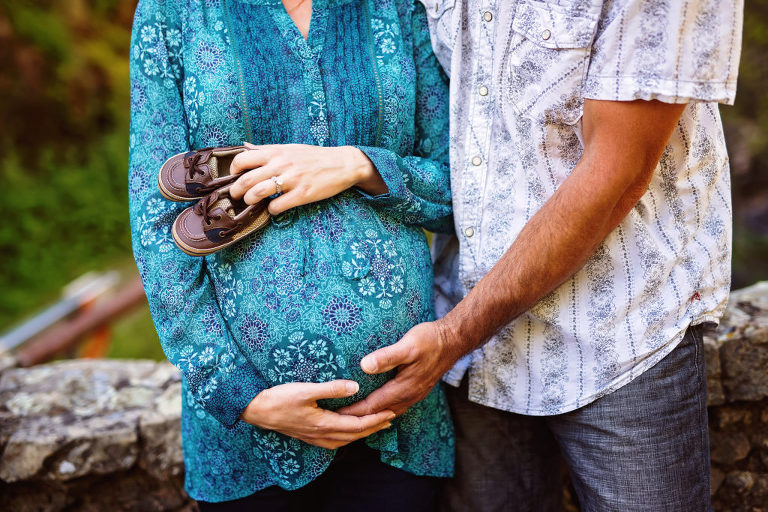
306,298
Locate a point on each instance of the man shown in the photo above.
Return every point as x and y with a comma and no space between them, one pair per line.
592,205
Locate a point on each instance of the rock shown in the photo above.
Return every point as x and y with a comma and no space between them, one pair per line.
7,361
716,478
740,481
69,424
728,416
715,393
742,342
745,370
727,448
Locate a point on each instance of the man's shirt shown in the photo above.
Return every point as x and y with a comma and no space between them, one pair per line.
520,71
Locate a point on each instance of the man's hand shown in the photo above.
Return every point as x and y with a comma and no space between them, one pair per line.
291,409
623,142
423,355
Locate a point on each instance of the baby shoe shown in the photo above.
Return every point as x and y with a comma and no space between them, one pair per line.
189,176
217,221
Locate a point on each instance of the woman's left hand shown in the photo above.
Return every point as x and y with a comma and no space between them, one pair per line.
307,174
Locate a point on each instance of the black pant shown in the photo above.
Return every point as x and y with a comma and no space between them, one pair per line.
355,481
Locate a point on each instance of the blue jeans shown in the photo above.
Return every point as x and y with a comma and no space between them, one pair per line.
355,481
644,447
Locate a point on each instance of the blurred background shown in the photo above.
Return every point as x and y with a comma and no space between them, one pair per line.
64,108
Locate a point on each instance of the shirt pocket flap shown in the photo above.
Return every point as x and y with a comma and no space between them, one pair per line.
436,8
555,26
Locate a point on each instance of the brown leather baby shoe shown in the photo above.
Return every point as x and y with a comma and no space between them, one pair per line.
217,221
189,176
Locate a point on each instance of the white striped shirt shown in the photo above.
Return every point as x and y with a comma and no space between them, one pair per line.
520,70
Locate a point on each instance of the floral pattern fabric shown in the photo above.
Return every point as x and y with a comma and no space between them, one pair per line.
324,284
520,71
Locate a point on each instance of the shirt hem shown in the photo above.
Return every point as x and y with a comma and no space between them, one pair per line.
712,316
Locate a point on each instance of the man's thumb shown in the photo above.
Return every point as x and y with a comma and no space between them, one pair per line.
389,357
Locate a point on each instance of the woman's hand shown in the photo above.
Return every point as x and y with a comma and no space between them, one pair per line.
291,409
308,174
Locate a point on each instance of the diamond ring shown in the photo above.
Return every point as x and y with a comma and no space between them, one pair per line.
278,184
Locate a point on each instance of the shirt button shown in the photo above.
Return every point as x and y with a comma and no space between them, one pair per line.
546,34
483,90
476,161
469,232
487,16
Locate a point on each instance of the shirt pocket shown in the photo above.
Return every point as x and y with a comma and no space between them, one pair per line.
443,20
546,61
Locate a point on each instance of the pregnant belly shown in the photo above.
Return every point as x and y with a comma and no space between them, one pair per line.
312,319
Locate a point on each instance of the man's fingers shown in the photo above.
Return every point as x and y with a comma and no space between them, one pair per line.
390,357
312,392
394,396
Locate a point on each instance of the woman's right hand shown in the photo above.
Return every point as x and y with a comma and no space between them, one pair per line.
292,409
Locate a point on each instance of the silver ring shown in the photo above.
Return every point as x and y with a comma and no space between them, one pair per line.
278,184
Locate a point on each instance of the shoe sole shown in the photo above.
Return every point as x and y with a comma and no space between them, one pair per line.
192,251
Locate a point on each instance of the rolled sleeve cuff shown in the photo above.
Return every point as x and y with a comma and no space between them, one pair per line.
234,392
386,163
636,87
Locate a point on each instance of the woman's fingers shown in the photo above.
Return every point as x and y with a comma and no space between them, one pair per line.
250,159
337,440
312,392
260,191
353,436
257,182
334,422
336,430
294,197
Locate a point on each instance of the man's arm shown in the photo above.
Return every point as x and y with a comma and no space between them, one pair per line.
623,143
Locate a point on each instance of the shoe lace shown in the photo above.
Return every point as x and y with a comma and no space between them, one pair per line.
203,208
191,165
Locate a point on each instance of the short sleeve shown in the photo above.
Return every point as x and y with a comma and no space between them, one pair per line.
666,50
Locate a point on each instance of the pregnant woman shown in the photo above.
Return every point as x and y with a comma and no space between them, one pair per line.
348,109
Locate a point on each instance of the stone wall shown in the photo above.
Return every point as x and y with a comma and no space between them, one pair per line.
96,435
91,435
737,378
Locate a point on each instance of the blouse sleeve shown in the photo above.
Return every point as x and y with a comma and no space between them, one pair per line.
419,184
182,298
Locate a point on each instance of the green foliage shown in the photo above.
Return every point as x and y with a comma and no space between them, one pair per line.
746,128
65,88
134,337
71,221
